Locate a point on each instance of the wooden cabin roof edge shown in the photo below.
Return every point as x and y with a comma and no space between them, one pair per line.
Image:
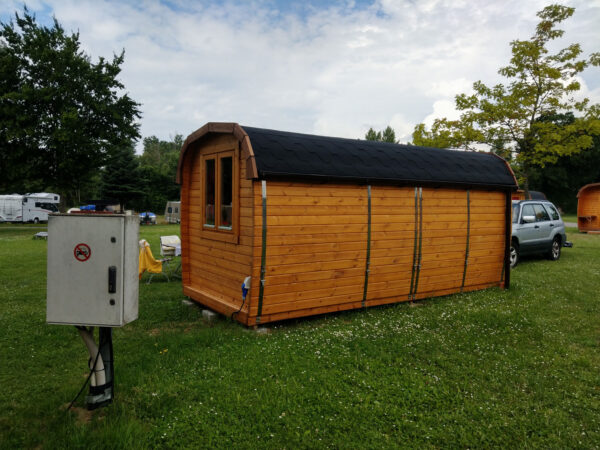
512,172
219,127
587,186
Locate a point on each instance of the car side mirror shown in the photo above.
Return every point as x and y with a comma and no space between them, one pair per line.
528,219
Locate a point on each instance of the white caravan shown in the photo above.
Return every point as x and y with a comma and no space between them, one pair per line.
29,207
172,213
36,207
11,208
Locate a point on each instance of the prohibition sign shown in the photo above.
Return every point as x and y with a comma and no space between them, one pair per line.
82,252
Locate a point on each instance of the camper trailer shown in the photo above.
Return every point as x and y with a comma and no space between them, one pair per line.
11,208
29,207
36,207
172,212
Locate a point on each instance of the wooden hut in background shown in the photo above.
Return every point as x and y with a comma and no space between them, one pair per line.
326,224
588,208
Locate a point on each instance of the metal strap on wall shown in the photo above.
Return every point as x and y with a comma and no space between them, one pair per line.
414,265
263,257
420,254
368,262
505,275
468,236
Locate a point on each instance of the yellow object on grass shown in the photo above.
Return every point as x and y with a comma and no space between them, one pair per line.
147,261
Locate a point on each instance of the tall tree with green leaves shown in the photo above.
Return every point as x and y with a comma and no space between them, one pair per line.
387,135
561,180
506,117
61,115
158,167
121,176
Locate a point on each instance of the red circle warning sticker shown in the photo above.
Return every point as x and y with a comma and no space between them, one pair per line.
82,252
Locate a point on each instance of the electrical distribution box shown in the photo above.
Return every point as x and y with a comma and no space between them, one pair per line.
92,269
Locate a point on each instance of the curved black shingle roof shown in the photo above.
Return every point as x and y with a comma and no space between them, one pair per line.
284,154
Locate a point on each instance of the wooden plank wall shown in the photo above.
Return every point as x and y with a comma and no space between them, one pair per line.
445,239
213,271
317,245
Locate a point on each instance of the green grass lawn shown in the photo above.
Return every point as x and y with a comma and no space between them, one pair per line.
515,368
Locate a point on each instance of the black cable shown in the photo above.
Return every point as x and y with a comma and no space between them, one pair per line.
90,374
241,306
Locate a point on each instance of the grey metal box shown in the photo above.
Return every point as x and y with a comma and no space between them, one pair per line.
92,269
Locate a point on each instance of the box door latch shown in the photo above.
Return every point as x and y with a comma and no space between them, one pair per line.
112,279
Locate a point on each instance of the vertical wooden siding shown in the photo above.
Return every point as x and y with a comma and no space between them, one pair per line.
213,271
317,245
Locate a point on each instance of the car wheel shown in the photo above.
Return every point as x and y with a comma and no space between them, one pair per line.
514,254
36,220
554,254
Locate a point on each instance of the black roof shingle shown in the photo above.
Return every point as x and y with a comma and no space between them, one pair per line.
285,154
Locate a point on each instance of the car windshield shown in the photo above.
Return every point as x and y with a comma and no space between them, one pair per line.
515,213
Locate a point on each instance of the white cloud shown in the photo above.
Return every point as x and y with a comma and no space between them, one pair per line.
334,70
442,108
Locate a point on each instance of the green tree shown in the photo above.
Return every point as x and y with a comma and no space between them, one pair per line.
387,135
60,114
506,117
561,180
158,167
162,155
121,177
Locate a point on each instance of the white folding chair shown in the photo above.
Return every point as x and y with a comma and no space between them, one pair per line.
170,246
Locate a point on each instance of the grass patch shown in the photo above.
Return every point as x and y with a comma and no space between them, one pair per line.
483,369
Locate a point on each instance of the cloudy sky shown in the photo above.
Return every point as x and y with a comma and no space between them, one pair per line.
324,67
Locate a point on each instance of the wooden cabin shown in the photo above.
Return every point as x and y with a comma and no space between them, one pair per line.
325,224
518,195
522,194
588,208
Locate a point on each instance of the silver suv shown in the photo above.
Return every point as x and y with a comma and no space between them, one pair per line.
536,228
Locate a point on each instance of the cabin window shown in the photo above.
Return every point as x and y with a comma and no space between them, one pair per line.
169,210
220,196
226,203
209,189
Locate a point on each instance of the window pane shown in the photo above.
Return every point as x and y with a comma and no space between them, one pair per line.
226,192
515,213
540,213
553,212
527,211
209,214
